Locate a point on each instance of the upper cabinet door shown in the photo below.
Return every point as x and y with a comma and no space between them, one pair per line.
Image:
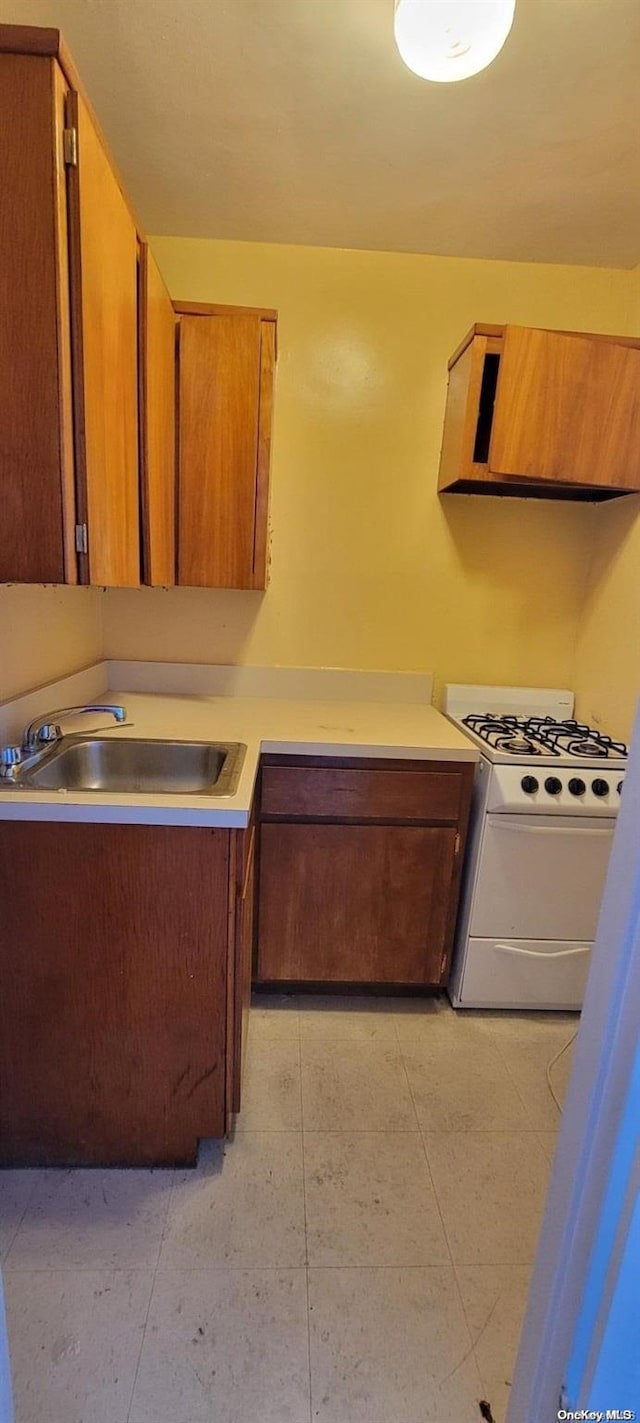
36,437
567,409
157,424
226,363
104,305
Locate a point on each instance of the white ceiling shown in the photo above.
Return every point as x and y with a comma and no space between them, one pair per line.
296,121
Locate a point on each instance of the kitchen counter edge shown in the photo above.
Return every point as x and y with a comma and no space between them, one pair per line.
227,812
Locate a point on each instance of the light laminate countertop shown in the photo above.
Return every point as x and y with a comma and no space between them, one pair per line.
304,728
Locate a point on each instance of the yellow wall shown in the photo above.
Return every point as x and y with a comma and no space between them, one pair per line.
607,666
370,569
46,633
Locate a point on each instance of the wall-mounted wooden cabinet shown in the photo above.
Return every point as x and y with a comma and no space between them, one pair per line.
90,488
68,331
548,414
157,424
103,267
226,374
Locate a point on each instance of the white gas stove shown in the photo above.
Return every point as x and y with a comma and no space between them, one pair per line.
546,796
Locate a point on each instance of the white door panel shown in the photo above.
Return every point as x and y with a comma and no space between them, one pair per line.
540,879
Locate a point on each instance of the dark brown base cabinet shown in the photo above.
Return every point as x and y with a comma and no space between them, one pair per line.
126,951
123,991
359,870
241,965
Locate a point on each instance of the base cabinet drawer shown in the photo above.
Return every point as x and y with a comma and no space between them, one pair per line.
333,793
355,903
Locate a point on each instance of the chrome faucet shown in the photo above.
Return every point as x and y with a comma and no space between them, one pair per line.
44,731
46,728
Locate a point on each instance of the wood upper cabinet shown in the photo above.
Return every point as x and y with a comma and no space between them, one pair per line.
36,439
551,414
104,311
68,330
226,374
157,349
359,870
88,448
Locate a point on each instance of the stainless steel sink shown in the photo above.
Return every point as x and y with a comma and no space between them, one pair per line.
132,766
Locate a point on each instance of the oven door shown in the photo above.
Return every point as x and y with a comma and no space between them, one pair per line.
540,878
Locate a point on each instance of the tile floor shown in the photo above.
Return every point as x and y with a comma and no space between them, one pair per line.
359,1253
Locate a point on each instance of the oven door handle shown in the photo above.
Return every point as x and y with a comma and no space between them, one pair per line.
536,953
506,822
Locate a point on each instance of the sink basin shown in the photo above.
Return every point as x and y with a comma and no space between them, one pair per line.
131,766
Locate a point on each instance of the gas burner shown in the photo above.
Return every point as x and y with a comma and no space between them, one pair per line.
519,746
543,736
585,748
510,734
574,738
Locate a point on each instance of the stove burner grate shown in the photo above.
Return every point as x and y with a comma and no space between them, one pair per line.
575,738
505,733
543,736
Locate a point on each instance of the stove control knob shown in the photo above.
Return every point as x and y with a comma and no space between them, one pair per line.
600,787
576,786
529,784
553,785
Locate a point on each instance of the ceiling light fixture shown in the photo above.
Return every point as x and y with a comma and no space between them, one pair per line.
445,40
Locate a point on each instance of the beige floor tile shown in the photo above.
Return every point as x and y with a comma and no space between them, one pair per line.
413,1007
271,1090
522,1029
16,1189
243,1206
548,1141
370,1201
527,1060
491,1188
494,1299
422,1022
273,1015
390,1344
356,1019
355,1086
225,1347
75,1339
542,1111
79,1220
560,1073
461,1085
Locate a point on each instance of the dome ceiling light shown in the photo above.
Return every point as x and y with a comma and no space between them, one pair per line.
446,40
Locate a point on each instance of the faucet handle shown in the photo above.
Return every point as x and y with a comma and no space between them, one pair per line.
49,732
10,755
